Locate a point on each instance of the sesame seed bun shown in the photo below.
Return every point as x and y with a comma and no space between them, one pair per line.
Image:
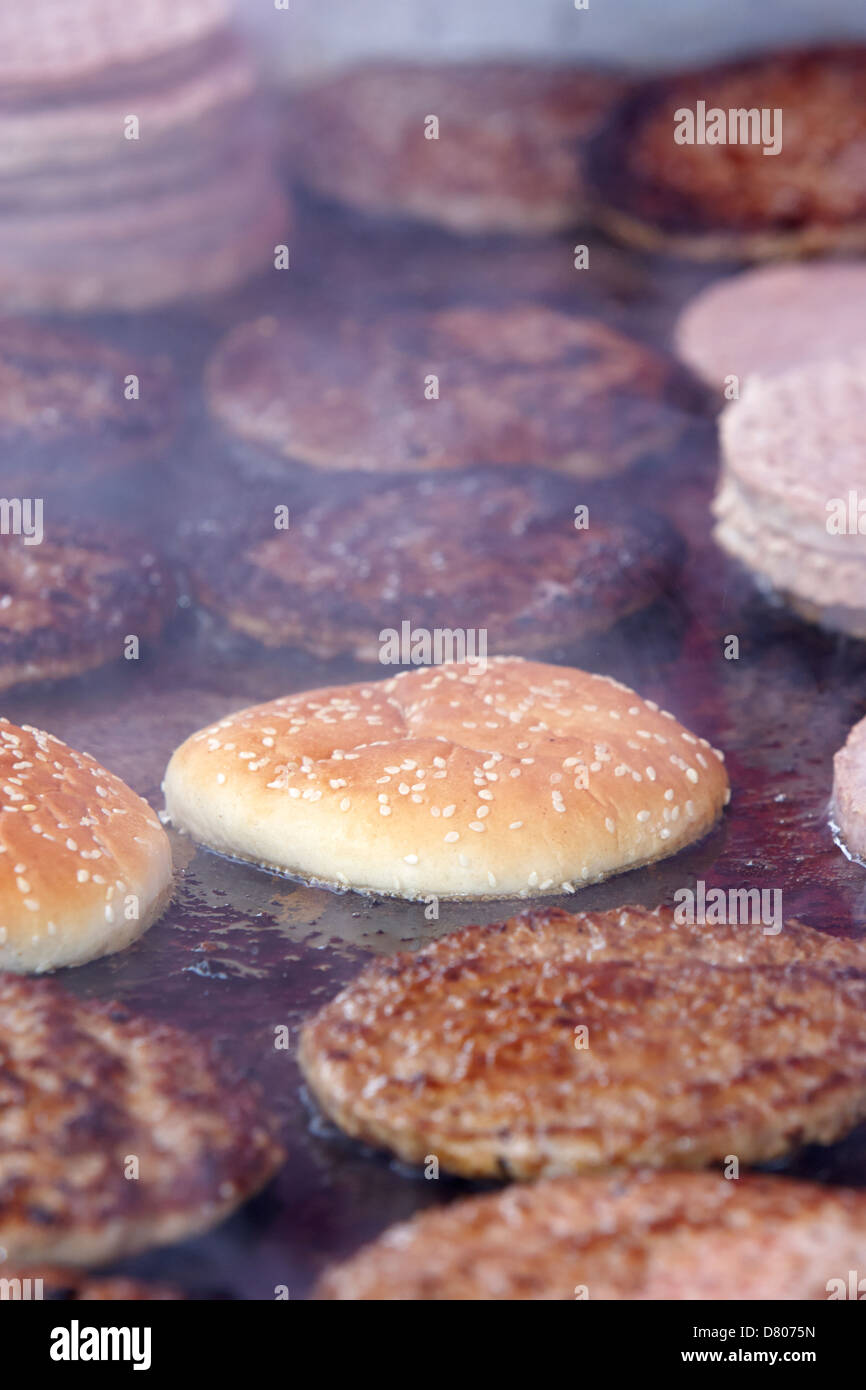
639,1236
515,780
85,866
697,1042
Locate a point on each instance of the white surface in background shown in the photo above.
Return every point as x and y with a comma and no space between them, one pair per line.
315,34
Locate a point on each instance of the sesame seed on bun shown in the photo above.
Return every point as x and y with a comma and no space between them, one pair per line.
510,779
85,866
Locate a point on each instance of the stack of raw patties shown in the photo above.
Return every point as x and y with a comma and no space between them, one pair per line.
791,502
134,164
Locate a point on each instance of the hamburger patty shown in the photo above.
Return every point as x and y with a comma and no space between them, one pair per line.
64,414
68,604
712,199
699,1043
70,1286
504,160
636,1236
478,551
87,1088
519,386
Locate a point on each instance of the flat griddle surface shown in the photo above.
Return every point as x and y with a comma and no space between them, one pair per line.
241,952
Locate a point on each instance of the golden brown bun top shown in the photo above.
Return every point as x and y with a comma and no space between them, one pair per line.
456,779
75,841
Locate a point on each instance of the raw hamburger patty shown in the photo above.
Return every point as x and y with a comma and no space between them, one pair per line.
476,551
716,200
702,1042
68,603
777,316
637,1236
505,156
85,1087
793,454
523,385
62,42
849,791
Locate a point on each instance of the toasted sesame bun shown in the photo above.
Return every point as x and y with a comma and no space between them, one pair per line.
697,1042
642,1236
85,866
515,780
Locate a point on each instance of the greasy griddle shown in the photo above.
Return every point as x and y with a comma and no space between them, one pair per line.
241,952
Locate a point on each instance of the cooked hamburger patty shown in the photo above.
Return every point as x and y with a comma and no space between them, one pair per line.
519,386
68,603
84,1090
711,199
477,551
505,154
636,1236
70,1286
700,1042
64,415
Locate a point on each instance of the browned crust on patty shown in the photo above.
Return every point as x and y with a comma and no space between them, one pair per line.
702,1042
68,603
710,202
519,386
506,155
63,409
82,1088
477,551
70,1286
665,1236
